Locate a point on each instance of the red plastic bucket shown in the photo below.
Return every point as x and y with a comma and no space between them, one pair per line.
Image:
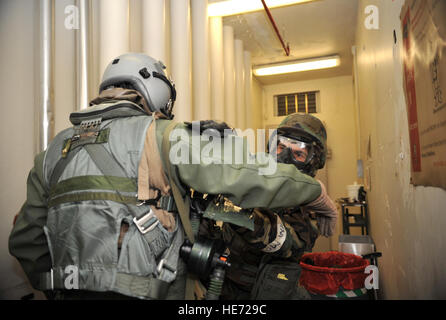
327,273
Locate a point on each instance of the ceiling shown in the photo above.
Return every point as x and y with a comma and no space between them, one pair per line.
314,29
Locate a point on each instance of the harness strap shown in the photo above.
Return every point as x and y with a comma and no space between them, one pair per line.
167,203
182,204
104,160
106,163
60,167
144,287
168,265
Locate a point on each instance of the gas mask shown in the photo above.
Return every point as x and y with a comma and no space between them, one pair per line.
297,152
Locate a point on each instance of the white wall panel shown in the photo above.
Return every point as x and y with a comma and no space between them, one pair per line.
113,31
229,70
200,61
180,58
217,68
239,84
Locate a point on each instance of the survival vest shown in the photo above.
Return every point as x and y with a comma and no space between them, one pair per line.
91,172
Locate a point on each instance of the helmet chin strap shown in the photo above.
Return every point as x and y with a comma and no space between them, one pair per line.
168,110
173,94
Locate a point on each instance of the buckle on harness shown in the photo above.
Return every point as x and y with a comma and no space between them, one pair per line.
141,222
162,264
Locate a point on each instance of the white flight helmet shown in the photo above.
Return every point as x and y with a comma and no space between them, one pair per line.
144,74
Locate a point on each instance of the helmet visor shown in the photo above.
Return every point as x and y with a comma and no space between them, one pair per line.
300,151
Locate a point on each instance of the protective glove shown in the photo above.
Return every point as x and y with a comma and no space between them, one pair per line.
326,212
221,127
270,235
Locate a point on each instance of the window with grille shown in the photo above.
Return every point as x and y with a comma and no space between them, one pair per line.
304,102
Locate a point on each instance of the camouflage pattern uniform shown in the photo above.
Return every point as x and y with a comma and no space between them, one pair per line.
248,259
246,247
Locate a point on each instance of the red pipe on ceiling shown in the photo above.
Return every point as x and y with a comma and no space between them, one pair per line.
268,12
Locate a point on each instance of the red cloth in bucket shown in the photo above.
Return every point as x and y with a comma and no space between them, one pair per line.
329,271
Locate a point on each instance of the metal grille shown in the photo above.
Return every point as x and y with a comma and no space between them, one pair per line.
304,102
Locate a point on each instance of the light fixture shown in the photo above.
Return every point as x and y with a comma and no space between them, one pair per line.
297,66
232,7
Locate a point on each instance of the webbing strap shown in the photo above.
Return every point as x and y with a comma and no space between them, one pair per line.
167,203
87,196
144,287
182,204
84,183
104,160
168,265
60,167
100,156
74,148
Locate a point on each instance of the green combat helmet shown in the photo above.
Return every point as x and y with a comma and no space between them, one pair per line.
302,141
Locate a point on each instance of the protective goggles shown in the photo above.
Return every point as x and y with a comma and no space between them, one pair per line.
299,151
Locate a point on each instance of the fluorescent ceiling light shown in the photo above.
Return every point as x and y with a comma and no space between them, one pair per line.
298,66
231,7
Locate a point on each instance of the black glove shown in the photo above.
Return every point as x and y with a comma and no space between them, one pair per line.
220,127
